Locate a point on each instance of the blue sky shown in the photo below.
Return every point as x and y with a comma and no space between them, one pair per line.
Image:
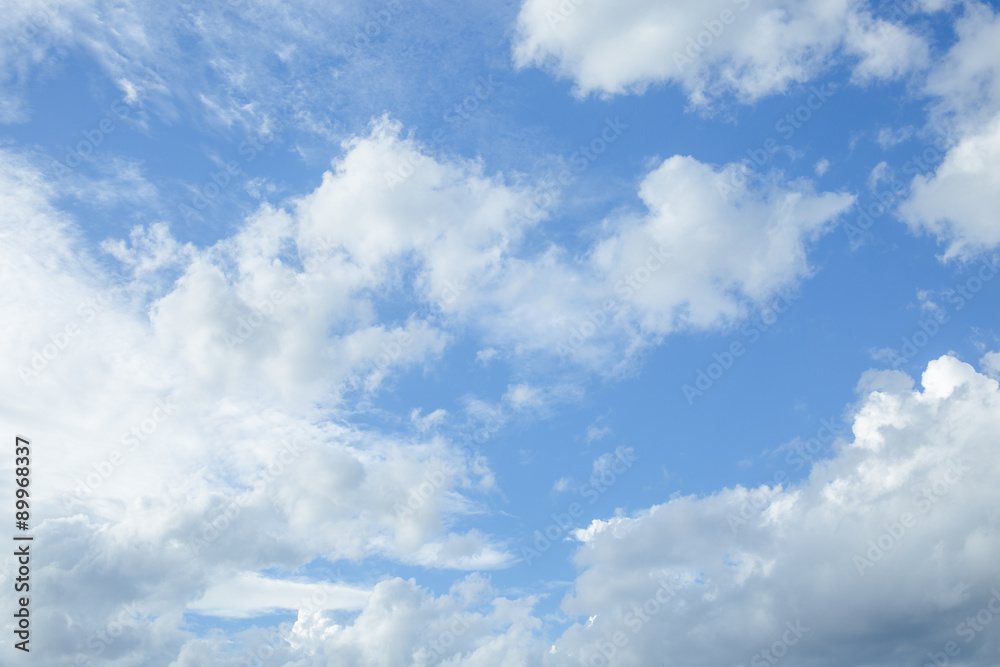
486,268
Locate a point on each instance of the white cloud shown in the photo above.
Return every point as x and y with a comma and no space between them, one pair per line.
405,624
886,50
887,137
430,421
606,463
739,564
462,232
595,432
957,202
878,174
249,594
711,244
727,245
39,34
485,356
471,551
965,81
523,396
752,49
991,364
150,250
169,453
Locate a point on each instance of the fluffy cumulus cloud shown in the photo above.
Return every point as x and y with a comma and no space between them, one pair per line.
722,245
403,624
201,430
709,245
956,202
462,233
900,524
752,49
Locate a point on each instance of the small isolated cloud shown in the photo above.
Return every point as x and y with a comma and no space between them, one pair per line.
426,422
888,137
486,355
881,172
595,433
522,396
